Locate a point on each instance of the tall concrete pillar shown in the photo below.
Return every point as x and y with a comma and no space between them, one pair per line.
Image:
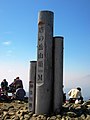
58,73
32,86
44,63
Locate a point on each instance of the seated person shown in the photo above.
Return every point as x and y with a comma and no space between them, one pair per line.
75,94
12,87
20,94
64,97
17,83
4,87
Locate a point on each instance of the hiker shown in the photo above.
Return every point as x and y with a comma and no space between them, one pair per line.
75,95
4,87
20,94
18,83
64,97
0,93
12,87
19,91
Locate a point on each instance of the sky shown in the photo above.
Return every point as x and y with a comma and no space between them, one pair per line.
19,31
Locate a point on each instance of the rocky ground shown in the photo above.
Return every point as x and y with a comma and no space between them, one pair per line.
18,110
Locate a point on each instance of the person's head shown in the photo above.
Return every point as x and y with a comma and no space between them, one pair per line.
17,78
14,80
4,80
79,88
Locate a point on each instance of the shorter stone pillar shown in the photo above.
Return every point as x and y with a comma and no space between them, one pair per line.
58,73
32,86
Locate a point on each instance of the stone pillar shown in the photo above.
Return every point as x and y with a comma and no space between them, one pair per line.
58,73
32,86
44,79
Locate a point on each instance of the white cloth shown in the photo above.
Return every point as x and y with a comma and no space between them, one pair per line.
74,93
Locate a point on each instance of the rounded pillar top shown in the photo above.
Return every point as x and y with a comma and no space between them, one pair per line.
59,37
32,61
45,17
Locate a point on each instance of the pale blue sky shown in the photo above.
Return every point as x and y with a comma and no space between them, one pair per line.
18,36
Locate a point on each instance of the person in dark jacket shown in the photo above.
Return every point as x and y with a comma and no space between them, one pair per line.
4,86
12,87
18,83
20,94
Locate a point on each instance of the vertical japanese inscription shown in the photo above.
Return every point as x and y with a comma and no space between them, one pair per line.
40,61
31,96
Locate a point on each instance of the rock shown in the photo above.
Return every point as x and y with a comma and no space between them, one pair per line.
71,114
53,118
48,118
1,111
34,115
83,117
88,117
63,118
18,110
17,118
33,118
58,116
